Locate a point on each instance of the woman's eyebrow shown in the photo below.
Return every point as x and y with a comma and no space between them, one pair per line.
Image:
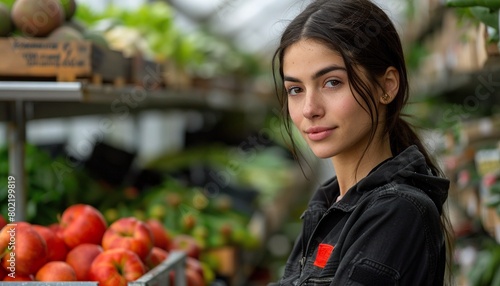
326,70
318,74
292,79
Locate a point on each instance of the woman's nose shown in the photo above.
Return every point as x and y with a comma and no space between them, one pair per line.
313,106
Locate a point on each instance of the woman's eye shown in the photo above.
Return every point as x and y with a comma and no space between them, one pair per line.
293,90
332,83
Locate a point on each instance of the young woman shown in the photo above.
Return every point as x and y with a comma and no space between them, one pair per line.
380,220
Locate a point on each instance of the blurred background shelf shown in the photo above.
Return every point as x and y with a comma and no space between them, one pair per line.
61,99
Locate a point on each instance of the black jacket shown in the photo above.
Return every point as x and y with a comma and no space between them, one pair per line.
385,231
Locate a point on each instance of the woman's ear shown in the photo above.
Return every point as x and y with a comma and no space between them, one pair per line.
390,81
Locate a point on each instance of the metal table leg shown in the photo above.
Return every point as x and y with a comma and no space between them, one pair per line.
16,132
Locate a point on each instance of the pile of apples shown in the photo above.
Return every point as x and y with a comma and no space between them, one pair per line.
81,247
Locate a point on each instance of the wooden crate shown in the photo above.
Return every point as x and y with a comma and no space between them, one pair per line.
63,61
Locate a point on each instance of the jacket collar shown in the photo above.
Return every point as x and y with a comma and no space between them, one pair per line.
408,167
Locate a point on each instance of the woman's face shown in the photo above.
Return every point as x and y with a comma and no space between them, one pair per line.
321,103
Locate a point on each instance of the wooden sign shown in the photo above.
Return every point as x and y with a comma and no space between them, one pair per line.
64,60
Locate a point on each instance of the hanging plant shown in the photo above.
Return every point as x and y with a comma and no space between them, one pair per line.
492,4
486,11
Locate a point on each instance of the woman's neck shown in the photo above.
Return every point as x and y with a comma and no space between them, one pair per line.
349,172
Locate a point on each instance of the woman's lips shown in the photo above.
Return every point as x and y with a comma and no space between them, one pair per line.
318,133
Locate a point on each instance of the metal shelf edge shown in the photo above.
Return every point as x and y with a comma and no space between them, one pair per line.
40,91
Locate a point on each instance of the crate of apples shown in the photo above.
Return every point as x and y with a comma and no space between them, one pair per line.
82,247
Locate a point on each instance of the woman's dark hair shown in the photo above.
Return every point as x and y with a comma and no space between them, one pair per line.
365,37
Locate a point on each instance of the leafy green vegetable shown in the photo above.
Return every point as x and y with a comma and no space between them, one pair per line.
51,185
486,15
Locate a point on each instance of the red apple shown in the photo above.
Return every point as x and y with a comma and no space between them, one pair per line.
160,234
57,229
17,277
82,224
186,243
81,257
56,271
156,257
195,265
55,244
24,251
116,267
194,278
129,233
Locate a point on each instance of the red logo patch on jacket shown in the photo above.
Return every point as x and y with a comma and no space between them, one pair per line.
324,252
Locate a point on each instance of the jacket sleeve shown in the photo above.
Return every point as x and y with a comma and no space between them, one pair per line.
396,241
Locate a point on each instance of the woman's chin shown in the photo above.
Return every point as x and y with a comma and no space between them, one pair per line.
323,154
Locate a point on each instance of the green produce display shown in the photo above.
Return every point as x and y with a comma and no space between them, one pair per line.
51,185
208,213
213,217
264,169
184,210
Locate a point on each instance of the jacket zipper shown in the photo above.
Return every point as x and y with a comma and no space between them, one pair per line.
305,251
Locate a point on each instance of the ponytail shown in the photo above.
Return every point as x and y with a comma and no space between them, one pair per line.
402,135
